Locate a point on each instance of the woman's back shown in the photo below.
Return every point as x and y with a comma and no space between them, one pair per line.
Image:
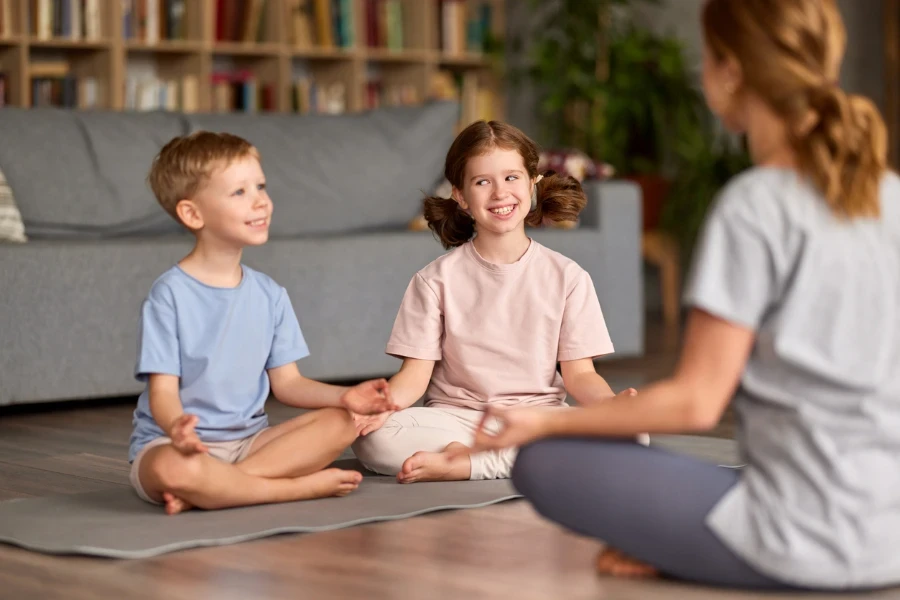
819,399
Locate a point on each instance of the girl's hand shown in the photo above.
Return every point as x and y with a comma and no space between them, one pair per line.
369,398
366,424
184,438
515,427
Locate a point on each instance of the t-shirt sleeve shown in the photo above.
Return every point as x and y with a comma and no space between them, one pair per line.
419,326
288,343
583,333
158,346
733,274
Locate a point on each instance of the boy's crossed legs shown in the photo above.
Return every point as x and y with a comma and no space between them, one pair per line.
283,463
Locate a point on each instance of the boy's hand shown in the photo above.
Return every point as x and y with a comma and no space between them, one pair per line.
184,438
369,398
366,424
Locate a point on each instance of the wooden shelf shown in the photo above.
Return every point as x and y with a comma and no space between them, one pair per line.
68,44
400,56
366,58
165,46
326,53
247,49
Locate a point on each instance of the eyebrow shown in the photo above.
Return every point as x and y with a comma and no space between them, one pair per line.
507,172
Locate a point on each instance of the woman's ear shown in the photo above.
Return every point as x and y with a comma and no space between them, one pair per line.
189,213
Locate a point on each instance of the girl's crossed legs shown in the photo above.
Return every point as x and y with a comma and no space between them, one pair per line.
412,444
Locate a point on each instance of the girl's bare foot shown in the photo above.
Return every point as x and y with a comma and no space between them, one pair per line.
612,562
330,482
174,504
436,466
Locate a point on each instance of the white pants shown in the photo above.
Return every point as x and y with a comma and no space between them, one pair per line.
427,429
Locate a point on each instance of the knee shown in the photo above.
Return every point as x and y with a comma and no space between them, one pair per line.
535,468
340,425
380,452
175,471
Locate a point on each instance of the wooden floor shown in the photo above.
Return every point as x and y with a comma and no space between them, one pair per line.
503,551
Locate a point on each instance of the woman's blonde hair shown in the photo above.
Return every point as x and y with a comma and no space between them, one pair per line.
790,52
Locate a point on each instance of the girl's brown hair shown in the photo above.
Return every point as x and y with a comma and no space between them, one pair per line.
790,53
559,198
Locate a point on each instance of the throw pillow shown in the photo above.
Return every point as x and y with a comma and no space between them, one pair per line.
11,227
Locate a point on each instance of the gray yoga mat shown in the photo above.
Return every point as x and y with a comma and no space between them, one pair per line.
117,524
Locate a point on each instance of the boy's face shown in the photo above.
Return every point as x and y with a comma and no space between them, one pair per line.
233,206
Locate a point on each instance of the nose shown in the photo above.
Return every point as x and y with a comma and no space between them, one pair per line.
262,199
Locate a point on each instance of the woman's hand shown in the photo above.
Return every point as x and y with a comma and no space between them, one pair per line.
514,427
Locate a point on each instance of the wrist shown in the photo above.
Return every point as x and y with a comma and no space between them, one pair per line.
554,423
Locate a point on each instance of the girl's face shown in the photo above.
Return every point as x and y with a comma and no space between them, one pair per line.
496,191
721,88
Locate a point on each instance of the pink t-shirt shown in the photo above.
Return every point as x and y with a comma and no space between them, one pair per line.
497,331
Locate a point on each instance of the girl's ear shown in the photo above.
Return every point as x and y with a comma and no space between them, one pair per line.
458,196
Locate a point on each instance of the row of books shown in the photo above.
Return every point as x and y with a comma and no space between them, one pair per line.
241,20
323,23
153,20
68,91
72,19
465,26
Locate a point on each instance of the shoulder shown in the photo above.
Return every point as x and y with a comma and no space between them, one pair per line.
449,262
257,281
166,288
550,264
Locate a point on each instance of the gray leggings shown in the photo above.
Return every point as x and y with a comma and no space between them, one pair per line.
646,502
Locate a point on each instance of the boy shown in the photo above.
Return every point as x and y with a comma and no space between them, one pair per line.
215,338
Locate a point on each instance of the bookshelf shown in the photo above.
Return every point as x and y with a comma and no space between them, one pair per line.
328,56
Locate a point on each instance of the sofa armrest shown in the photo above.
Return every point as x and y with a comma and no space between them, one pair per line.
614,211
615,202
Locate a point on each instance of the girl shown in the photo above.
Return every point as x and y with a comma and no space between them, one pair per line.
486,324
795,298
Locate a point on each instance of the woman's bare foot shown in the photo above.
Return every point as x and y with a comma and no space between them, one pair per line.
612,562
330,482
174,504
436,466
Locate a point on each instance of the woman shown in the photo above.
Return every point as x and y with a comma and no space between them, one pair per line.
795,316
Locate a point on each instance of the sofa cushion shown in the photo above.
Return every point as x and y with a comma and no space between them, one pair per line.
11,227
345,173
82,174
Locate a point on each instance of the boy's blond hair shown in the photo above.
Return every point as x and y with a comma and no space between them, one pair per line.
187,162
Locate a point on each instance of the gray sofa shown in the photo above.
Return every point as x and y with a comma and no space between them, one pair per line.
344,189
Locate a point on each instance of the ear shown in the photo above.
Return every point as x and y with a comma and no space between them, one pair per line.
457,195
733,74
189,213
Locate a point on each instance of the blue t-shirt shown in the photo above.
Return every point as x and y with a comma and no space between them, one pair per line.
219,342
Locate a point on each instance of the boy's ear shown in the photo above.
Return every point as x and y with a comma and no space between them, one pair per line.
189,213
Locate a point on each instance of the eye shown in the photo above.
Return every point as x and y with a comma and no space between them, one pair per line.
512,177
261,186
238,192
480,181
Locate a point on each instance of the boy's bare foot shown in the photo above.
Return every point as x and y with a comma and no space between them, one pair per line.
174,504
330,482
612,562
436,466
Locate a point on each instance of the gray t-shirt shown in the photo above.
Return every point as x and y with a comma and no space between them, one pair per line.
819,400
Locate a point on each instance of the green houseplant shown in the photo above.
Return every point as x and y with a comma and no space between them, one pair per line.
622,94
